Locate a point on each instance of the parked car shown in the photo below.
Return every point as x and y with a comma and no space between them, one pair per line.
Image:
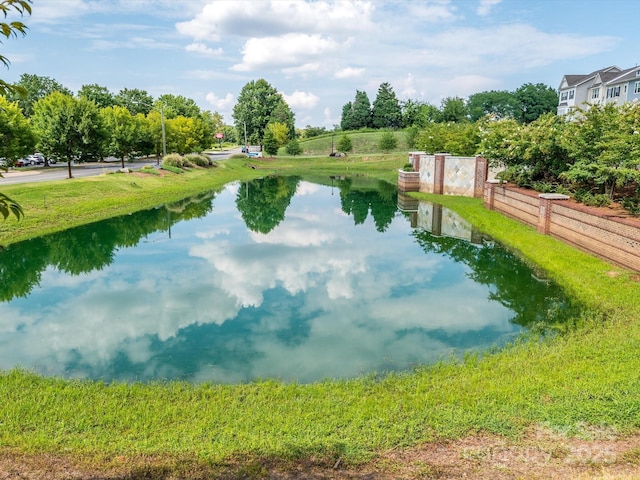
35,159
22,162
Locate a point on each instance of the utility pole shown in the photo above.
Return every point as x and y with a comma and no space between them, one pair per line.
245,134
164,135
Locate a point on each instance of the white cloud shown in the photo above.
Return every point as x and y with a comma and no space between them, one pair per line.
349,72
221,19
485,6
288,50
222,104
302,70
54,11
131,43
304,100
203,49
432,12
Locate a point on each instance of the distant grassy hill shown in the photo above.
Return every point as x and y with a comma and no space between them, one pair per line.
363,143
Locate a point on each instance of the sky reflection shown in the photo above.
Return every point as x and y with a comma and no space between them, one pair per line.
317,296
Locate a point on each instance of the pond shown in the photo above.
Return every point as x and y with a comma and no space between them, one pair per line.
282,277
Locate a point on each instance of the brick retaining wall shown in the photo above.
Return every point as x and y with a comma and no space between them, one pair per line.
607,233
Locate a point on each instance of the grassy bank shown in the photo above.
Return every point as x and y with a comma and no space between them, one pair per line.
586,378
55,206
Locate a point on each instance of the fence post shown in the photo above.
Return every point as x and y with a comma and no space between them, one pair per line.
438,174
482,171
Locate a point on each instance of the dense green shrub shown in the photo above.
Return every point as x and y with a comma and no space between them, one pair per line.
173,160
293,148
632,204
345,144
198,159
592,199
388,142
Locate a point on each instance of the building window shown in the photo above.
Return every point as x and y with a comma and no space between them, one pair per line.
571,94
563,96
613,92
636,88
595,93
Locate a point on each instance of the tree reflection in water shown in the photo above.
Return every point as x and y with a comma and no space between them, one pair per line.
89,247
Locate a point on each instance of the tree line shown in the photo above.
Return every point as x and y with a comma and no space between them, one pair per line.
524,105
95,123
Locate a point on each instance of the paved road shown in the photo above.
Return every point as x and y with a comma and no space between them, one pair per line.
59,171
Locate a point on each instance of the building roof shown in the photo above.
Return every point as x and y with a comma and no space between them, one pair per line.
625,75
575,80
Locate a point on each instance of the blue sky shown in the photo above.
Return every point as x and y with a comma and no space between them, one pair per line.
318,53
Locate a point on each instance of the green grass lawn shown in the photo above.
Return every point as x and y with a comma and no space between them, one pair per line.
588,375
364,143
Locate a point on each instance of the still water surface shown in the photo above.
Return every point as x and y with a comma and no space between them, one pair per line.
276,278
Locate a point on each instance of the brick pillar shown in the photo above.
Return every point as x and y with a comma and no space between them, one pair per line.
544,213
416,162
544,210
438,174
490,193
482,171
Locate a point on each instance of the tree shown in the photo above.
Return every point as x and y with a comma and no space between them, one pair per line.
10,30
499,142
344,144
388,142
386,111
453,109
144,140
177,105
293,148
270,143
16,136
67,128
531,153
283,115
497,104
120,127
534,100
259,104
184,134
604,147
361,114
346,121
311,132
8,206
134,100
34,88
211,123
280,132
456,138
418,113
100,95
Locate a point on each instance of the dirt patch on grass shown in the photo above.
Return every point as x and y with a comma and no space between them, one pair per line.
538,455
